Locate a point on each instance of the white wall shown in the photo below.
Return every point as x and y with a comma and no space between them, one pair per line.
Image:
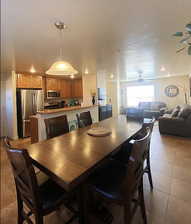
111,87
112,96
160,84
89,82
8,106
180,81
3,117
101,79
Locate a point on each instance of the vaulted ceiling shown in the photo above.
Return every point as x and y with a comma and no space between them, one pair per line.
121,36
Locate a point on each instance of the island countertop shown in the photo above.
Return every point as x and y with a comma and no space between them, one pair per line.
64,109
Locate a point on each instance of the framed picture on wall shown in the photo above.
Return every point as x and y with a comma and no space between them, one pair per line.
171,91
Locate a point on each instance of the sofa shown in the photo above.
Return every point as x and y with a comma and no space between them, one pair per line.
176,121
147,110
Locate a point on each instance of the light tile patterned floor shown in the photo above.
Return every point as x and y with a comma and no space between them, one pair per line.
169,203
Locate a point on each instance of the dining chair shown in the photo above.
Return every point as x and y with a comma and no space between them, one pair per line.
121,183
56,126
84,119
124,152
147,168
40,200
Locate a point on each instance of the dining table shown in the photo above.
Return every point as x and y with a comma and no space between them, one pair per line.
71,158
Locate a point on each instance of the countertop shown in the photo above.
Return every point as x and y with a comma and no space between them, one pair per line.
52,111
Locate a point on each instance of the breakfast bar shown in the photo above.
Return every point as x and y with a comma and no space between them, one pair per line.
38,132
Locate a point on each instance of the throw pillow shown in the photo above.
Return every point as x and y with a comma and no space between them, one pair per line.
175,112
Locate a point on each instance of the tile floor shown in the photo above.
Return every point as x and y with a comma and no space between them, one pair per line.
169,203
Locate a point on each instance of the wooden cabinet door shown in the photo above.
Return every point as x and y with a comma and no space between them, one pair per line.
65,88
52,84
68,89
36,81
29,81
62,87
77,90
23,81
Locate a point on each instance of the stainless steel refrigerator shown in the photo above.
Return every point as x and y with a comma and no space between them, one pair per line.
29,101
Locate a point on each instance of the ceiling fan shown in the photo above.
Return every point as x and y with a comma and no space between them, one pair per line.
140,77
186,38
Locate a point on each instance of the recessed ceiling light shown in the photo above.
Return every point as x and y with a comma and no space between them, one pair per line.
72,76
163,69
32,70
111,76
86,71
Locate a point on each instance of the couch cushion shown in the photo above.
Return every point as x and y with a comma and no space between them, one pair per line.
157,105
167,116
185,111
175,111
145,105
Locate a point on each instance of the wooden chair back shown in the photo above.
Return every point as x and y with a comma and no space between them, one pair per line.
149,124
135,165
56,126
84,119
146,124
24,175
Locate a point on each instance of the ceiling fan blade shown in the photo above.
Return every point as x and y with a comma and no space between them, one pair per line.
188,27
189,50
181,49
150,79
132,81
135,80
185,39
178,34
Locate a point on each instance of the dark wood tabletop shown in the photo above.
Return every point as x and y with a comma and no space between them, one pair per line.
70,158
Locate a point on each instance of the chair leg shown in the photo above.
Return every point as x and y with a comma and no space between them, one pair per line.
149,172
142,202
127,214
38,219
20,211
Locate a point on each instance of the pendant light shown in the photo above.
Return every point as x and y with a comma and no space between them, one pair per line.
61,67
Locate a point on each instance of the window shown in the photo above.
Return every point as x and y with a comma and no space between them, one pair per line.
136,94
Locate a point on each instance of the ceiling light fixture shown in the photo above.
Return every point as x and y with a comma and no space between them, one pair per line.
61,67
163,69
111,76
32,70
86,71
72,76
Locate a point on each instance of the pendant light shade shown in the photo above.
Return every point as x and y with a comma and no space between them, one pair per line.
61,68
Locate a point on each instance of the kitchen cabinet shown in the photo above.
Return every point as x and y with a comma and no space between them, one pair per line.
65,88
23,81
68,88
71,88
29,81
36,81
53,84
77,90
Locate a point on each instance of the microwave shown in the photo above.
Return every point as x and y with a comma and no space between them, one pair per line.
52,94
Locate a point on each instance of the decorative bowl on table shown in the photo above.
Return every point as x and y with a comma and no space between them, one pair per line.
98,132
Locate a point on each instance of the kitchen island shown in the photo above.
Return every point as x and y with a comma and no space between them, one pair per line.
38,130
